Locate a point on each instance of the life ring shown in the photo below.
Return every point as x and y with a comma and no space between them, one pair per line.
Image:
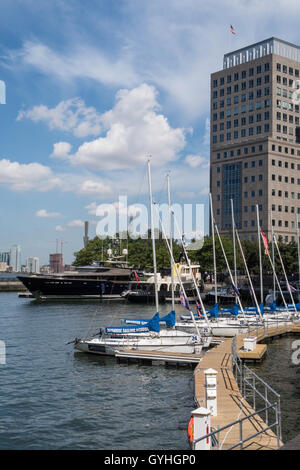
190,430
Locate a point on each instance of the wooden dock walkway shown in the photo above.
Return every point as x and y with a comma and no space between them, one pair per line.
231,404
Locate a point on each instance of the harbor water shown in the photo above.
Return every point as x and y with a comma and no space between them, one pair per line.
52,397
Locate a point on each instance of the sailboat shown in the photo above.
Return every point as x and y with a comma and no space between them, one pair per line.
149,336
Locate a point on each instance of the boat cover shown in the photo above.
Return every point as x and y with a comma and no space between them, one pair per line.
151,325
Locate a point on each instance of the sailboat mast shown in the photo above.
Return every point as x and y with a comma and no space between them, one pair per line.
171,241
234,249
273,257
259,253
153,235
214,247
298,245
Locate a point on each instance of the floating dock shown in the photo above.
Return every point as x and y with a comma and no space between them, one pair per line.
231,404
131,355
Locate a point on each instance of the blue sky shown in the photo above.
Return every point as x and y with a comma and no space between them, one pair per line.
93,87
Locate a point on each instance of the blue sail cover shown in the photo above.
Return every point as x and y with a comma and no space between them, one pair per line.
234,310
168,320
261,308
151,325
214,312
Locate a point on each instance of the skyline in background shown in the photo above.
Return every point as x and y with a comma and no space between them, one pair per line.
91,91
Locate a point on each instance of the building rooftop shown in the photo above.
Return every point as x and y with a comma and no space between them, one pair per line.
260,49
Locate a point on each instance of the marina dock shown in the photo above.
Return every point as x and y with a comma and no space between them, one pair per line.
232,406
158,357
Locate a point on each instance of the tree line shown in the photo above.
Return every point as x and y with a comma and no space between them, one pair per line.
140,254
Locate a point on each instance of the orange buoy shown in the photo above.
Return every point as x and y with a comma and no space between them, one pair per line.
190,430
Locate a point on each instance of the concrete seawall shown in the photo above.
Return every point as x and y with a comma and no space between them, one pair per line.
12,286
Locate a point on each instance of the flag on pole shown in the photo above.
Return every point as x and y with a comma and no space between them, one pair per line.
291,288
137,277
183,300
267,250
236,291
199,311
232,30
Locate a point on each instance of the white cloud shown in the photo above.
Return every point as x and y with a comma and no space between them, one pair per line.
92,208
83,61
61,150
71,116
134,129
90,187
194,160
59,228
76,223
27,176
44,213
118,207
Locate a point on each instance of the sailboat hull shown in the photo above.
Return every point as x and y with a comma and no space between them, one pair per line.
108,347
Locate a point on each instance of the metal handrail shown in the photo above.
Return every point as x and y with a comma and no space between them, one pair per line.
240,421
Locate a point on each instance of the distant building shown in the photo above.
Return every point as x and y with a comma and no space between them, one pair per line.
33,265
3,266
45,269
86,234
4,257
56,263
15,258
69,268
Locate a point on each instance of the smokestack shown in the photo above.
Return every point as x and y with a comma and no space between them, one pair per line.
86,234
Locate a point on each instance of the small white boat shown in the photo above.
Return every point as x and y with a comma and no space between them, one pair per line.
137,337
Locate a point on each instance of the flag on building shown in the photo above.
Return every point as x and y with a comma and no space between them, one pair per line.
232,30
267,250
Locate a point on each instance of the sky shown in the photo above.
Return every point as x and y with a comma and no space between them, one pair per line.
93,88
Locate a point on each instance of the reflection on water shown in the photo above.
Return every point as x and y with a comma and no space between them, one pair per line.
283,376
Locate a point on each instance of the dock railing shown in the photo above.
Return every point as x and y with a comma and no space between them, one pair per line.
260,396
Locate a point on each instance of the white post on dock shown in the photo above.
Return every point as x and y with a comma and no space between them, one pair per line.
201,428
211,391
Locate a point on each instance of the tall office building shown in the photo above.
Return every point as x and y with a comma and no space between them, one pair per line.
4,257
33,265
15,258
255,139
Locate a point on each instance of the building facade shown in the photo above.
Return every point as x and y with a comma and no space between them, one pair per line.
33,265
15,258
56,263
255,140
5,257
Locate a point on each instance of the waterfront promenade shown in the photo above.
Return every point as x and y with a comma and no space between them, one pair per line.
230,402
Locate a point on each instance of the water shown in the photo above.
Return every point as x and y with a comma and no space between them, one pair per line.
54,398
278,370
